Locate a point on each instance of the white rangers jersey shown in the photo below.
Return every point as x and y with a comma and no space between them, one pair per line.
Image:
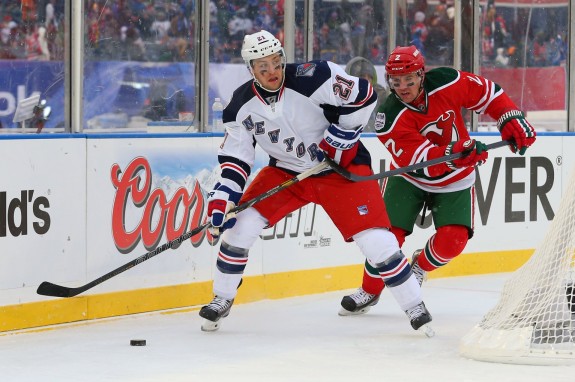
289,124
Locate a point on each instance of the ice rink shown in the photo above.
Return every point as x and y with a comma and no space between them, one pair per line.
296,339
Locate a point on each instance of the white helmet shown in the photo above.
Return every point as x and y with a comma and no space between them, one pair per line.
259,45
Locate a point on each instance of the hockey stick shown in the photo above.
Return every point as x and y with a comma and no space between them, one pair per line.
386,174
49,289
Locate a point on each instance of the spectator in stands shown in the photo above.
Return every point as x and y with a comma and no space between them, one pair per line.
224,15
221,54
361,29
160,27
180,34
419,32
51,17
240,25
538,52
36,44
29,12
6,32
265,20
556,51
377,51
495,31
501,60
135,47
439,43
329,44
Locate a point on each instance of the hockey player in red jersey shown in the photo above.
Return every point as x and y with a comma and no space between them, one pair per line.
423,121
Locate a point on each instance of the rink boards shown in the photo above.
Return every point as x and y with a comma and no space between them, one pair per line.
74,207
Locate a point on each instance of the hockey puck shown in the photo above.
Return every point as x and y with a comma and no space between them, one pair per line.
138,342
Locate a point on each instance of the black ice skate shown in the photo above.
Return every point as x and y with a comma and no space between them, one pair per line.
419,317
213,312
359,302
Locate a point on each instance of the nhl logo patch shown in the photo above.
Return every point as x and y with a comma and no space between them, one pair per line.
305,70
362,210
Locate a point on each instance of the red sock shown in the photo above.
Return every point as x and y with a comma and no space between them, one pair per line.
447,243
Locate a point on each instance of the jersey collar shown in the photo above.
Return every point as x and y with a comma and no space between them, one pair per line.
267,97
419,105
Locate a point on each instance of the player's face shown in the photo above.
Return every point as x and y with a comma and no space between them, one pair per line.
406,86
269,71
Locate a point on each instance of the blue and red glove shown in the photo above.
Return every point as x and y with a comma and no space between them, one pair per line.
339,144
474,153
514,127
220,200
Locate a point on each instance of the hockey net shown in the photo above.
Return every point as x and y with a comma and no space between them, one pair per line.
534,320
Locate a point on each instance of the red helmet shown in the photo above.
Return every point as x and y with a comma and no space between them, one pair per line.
403,60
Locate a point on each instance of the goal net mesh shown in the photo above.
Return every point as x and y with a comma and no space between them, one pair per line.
534,320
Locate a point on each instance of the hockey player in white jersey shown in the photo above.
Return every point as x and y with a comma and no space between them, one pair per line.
298,114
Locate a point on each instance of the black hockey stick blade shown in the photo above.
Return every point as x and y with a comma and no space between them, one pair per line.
54,290
386,174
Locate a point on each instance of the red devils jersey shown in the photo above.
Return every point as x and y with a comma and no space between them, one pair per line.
409,132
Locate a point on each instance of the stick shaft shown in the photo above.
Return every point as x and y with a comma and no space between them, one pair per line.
50,289
386,174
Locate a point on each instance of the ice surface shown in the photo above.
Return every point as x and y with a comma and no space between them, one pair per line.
296,339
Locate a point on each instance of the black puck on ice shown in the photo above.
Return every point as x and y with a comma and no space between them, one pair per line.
137,342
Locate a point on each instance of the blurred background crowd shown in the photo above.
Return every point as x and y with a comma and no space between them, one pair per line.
138,57
163,30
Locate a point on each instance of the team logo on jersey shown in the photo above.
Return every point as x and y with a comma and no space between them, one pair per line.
443,130
379,121
305,70
362,210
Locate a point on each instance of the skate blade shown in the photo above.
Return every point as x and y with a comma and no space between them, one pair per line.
427,330
210,326
344,312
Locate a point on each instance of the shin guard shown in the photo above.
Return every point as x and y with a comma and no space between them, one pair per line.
447,243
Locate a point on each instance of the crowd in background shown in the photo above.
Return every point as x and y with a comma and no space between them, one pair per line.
503,36
32,30
164,30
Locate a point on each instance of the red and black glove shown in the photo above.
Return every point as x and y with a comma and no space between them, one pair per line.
339,144
514,127
474,153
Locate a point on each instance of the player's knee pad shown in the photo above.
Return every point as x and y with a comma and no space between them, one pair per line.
450,241
376,244
247,229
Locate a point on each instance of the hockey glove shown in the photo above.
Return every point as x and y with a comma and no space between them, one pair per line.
339,144
514,127
474,153
220,200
